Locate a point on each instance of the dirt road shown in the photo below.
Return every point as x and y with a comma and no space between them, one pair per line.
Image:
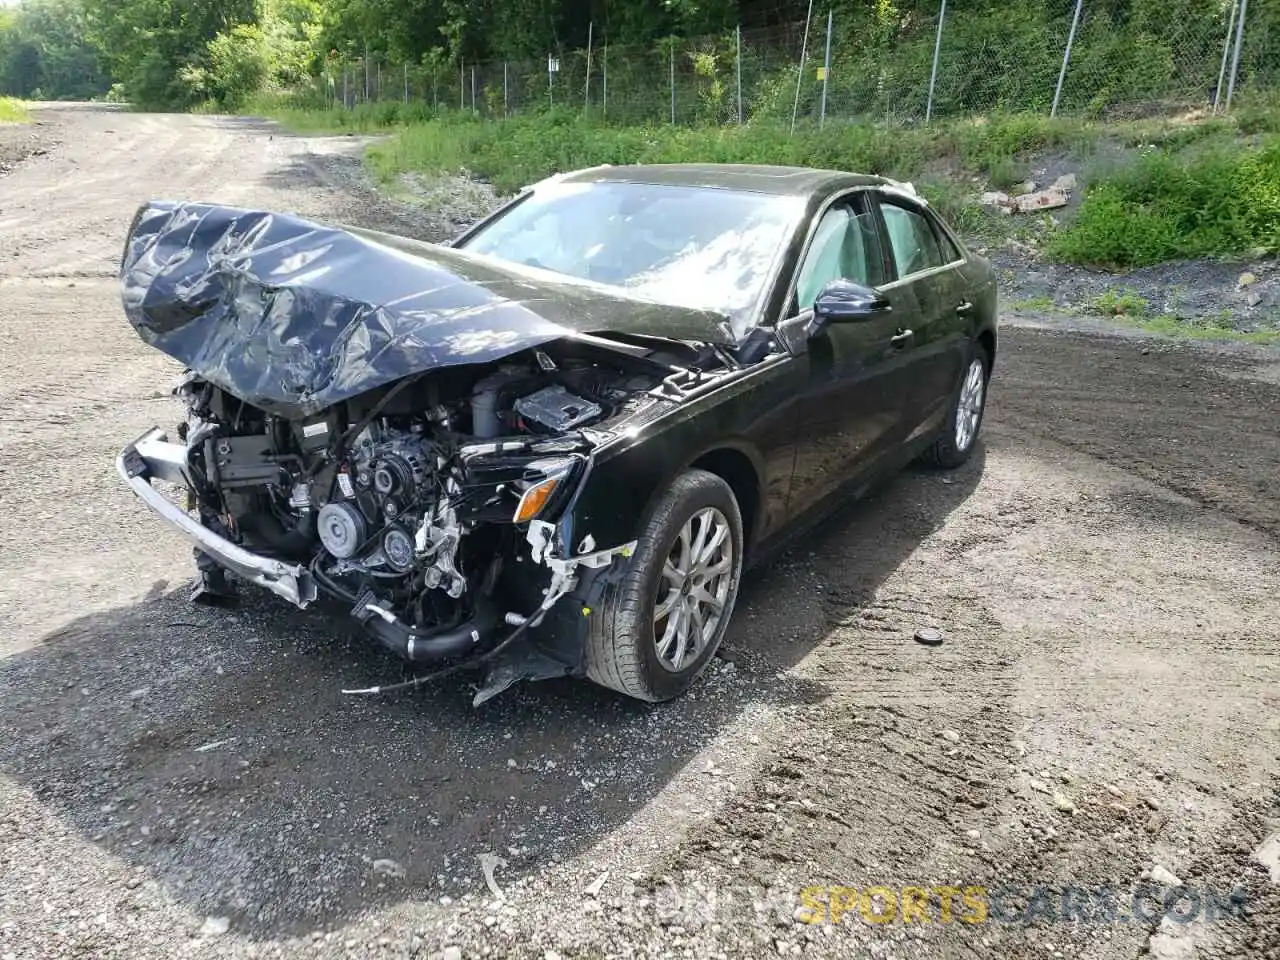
1105,710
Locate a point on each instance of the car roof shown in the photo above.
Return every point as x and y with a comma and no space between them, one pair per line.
758,178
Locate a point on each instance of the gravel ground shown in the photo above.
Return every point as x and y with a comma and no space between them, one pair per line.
1104,711
1238,295
22,141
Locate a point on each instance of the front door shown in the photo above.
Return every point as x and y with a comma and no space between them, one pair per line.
858,383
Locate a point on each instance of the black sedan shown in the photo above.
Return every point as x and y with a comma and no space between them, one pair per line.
549,447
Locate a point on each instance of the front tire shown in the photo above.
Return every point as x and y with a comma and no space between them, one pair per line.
660,625
964,416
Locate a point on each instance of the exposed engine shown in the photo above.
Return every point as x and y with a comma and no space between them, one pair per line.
406,502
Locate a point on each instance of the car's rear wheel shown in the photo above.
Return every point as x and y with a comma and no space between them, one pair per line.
659,627
964,417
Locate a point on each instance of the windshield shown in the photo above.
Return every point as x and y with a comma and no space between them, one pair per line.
688,246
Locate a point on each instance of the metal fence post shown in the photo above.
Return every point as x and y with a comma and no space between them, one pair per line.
345,102
379,87
1066,58
1235,59
672,61
473,90
462,86
826,73
933,75
506,102
804,51
738,34
586,91
435,89
604,81
1226,54
406,81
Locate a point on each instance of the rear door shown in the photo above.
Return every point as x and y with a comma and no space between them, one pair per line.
928,285
857,383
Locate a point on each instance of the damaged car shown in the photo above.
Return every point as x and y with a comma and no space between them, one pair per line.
549,447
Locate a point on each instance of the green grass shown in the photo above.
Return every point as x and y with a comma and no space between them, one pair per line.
1117,303
1219,200
382,117
522,149
13,111
1175,327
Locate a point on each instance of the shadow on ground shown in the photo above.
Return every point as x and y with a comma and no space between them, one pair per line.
214,751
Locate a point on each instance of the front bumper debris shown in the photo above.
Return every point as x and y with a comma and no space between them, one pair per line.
150,457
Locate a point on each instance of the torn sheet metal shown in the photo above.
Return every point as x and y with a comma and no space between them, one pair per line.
293,317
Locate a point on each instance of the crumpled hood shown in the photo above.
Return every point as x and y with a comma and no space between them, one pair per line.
293,317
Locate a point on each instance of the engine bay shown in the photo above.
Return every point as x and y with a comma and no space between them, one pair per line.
412,501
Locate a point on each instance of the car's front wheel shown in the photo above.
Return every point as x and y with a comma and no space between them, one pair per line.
964,418
659,627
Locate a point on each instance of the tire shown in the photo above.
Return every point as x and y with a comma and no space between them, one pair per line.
626,644
960,435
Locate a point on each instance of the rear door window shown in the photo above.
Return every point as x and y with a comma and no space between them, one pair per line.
914,244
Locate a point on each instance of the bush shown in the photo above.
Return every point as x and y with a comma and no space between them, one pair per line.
1219,202
238,65
13,111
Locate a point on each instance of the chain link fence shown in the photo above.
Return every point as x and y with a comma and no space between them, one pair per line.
910,69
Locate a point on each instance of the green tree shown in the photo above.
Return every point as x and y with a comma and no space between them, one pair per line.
44,50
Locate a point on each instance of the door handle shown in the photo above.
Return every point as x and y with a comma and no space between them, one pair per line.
965,308
902,338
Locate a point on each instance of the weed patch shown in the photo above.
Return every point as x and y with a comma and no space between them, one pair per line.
1219,202
1118,303
13,111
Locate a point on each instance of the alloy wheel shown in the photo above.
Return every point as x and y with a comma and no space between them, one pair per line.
969,407
693,589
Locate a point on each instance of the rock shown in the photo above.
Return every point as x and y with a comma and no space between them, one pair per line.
593,890
552,955
929,637
994,198
1163,875
451,953
1269,856
388,868
1041,200
215,926
1038,786
949,735
1066,183
1063,803
972,834
1253,298
1247,279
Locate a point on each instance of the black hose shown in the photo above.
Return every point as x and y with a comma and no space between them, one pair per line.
331,585
412,643
471,664
428,646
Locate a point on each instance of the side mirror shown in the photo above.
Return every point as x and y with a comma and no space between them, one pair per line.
843,301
